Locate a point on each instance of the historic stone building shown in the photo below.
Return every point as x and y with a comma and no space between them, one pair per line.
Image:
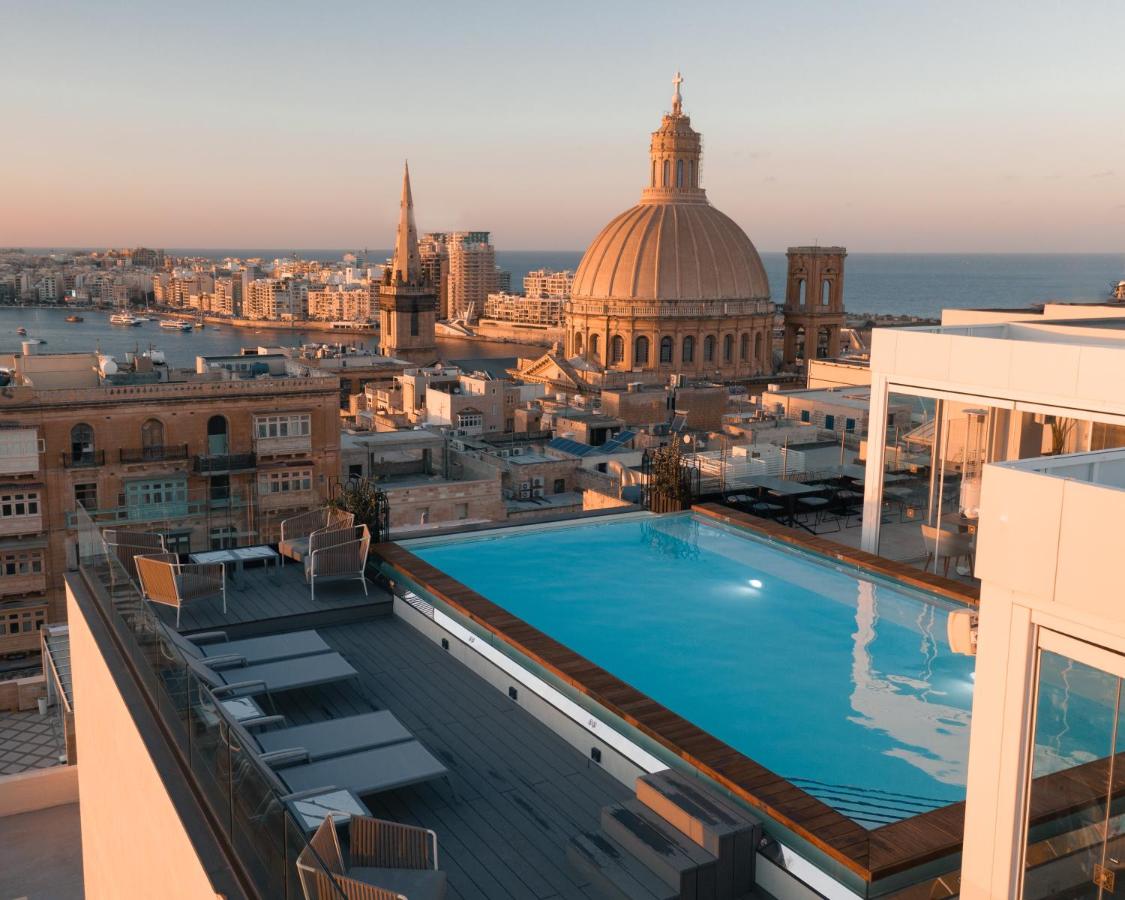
407,300
672,285
814,303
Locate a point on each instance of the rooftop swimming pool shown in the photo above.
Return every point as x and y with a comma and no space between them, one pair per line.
844,686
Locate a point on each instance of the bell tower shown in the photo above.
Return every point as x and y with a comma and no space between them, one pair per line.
814,303
407,300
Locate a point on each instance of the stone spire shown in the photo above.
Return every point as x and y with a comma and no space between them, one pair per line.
406,263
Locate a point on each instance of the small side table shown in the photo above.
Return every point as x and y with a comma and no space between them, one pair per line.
311,808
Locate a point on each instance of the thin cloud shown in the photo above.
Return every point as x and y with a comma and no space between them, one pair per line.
1108,173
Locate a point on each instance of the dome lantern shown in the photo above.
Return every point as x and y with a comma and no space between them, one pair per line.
674,156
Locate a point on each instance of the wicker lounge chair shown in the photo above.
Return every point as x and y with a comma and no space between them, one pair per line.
165,580
296,530
389,861
338,553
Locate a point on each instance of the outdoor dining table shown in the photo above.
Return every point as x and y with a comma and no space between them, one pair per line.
235,557
788,492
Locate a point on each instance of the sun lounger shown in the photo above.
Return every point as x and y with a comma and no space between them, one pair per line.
365,772
332,737
273,677
212,645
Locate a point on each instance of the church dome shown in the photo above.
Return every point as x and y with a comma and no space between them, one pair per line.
671,251
673,245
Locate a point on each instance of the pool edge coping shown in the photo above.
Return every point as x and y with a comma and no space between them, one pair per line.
899,846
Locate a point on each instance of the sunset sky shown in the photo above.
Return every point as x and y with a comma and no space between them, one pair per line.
884,126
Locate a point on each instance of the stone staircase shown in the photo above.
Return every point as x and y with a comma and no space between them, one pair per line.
677,840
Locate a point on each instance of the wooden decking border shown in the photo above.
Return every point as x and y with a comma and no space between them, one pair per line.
871,854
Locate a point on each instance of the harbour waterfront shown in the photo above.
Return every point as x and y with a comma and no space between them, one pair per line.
182,347
907,284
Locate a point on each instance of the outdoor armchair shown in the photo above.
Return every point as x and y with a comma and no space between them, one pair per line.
338,553
167,581
389,861
942,544
296,530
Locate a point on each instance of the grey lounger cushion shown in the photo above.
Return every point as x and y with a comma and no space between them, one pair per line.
335,737
281,675
368,771
417,884
272,647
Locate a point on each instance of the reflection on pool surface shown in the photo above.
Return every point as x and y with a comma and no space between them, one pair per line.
846,687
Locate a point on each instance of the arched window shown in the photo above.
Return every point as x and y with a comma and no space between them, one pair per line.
687,352
640,351
665,181
217,443
594,346
617,349
709,348
665,349
152,438
691,173
82,443
801,292
728,348
653,182
826,292
744,347
679,173
758,348
578,343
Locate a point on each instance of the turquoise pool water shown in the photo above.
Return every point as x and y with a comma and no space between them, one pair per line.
845,686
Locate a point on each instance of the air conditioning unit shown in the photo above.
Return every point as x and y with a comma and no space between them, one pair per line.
537,492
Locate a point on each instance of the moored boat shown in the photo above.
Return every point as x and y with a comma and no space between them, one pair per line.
75,319
124,319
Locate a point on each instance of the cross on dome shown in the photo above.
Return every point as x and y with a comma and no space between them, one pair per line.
677,100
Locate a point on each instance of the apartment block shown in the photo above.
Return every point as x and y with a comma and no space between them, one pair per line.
206,460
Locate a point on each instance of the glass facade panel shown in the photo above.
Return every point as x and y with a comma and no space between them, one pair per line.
1076,820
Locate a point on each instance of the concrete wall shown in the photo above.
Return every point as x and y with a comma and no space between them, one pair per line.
827,373
38,789
132,836
443,502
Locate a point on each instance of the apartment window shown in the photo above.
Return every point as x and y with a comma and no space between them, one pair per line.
849,424
355,470
462,510
24,503
152,435
805,417
23,621
178,541
560,485
830,423
223,537
86,495
82,443
21,562
219,488
470,420
665,349
156,498
283,426
287,481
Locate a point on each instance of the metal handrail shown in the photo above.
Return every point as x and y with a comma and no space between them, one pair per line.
83,459
155,453
225,462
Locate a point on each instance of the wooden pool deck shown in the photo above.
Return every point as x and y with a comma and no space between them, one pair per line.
871,854
267,600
